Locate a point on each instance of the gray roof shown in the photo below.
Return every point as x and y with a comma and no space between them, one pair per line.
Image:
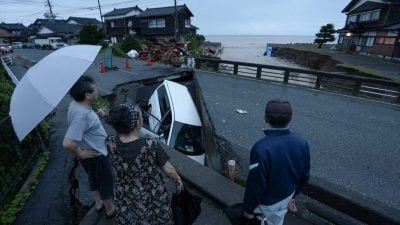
84,21
163,11
122,11
354,2
13,26
62,27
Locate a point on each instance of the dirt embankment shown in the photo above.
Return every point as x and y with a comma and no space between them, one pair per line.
311,60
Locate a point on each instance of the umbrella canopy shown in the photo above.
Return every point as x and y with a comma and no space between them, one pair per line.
46,83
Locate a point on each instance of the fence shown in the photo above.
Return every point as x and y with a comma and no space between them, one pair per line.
379,89
16,159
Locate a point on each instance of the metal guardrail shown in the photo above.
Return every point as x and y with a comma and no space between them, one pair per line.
379,89
6,61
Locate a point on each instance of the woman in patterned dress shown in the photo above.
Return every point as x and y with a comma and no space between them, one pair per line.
141,197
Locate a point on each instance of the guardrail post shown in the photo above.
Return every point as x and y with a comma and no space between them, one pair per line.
258,76
286,77
356,88
318,82
197,63
235,69
216,65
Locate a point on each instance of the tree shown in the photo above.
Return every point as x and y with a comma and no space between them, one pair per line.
325,35
91,34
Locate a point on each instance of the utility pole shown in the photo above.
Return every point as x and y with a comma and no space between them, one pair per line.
176,23
51,11
51,15
101,16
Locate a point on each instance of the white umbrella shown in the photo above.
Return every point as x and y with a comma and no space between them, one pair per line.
46,83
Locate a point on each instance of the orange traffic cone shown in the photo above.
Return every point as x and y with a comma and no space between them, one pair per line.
149,61
127,63
102,68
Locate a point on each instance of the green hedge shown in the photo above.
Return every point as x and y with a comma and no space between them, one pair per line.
14,164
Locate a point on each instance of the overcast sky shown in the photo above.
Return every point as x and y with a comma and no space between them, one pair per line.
236,17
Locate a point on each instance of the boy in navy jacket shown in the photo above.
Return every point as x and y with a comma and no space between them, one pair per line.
279,167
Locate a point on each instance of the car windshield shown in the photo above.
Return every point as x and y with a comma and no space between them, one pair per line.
187,139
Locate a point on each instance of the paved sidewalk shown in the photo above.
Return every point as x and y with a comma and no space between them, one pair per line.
48,204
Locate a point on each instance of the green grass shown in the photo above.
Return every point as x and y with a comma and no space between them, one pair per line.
368,72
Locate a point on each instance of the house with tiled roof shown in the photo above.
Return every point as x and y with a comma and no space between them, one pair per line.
122,22
152,23
159,23
67,29
13,31
82,21
372,27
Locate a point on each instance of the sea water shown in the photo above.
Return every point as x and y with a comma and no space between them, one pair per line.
251,48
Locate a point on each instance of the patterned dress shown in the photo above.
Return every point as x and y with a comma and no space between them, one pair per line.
141,197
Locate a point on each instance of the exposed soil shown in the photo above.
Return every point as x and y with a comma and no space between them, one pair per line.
311,60
316,61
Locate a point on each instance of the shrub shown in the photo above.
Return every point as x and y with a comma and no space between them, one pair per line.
130,43
117,51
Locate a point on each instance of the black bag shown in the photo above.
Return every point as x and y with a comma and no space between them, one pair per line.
185,207
235,215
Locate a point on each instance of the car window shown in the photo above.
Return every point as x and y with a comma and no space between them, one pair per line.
187,139
165,109
163,100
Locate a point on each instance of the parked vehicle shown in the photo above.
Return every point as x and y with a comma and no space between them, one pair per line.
171,115
49,43
27,45
16,44
6,48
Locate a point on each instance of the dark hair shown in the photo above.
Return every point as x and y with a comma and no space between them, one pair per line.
278,113
124,118
81,87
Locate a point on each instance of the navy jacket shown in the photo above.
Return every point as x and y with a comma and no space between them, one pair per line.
279,166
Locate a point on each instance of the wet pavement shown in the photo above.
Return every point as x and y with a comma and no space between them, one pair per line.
354,142
48,204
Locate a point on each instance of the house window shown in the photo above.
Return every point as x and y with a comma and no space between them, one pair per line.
370,41
157,23
352,18
380,40
375,14
187,23
362,41
340,40
130,23
112,24
366,16
389,41
114,40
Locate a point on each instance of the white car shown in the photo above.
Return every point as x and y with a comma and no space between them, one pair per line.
171,115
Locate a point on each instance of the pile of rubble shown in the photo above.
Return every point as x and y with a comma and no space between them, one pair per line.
166,53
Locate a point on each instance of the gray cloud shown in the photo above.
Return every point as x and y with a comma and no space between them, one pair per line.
289,17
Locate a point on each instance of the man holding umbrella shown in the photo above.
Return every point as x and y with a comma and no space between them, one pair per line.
85,138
